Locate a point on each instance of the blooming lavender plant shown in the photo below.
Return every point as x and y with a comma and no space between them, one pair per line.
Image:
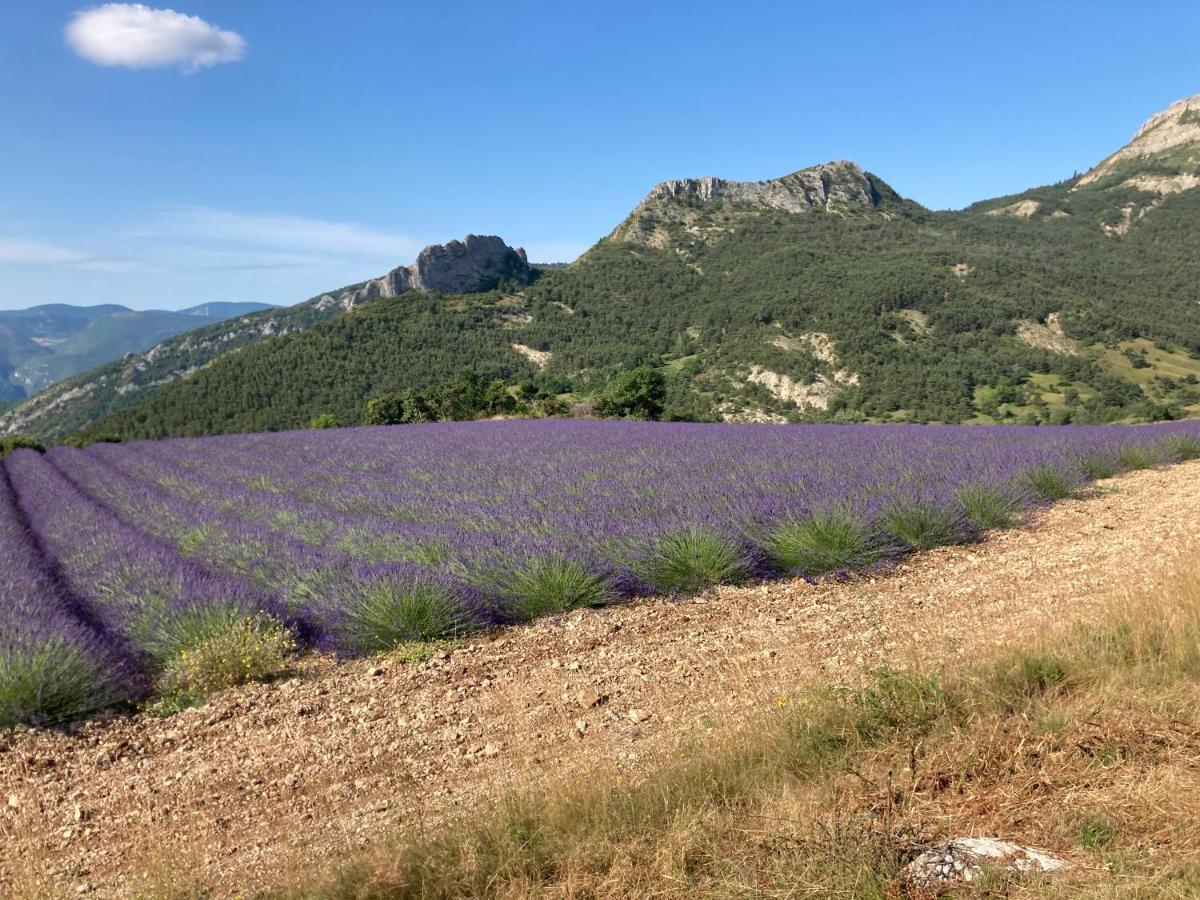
54,665
361,539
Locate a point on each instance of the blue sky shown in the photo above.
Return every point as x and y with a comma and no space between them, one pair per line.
272,150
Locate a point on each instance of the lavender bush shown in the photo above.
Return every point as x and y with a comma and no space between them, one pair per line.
117,559
54,666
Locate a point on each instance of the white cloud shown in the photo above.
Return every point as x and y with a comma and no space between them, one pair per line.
138,37
39,253
293,233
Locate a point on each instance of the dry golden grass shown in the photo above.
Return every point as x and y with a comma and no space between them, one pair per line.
1085,743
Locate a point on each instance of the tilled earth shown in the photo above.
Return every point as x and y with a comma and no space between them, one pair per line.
267,779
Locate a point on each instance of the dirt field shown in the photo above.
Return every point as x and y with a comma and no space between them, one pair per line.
234,795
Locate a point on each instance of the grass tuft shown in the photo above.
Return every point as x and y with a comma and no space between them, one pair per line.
1017,679
1100,465
52,682
692,560
393,612
1048,483
988,508
547,586
1096,832
919,525
832,541
898,701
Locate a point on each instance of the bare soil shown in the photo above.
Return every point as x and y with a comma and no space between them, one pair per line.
270,779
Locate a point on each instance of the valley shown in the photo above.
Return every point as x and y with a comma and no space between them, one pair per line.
46,344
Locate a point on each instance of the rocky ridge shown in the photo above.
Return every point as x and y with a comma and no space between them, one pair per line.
1171,136
833,186
478,263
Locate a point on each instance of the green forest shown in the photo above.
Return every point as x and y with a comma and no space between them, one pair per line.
1073,302
924,308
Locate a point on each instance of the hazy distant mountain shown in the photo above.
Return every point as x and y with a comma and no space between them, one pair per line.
224,309
818,296
478,263
42,345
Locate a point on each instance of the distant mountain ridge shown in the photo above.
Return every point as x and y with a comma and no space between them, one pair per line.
225,309
44,344
823,295
476,263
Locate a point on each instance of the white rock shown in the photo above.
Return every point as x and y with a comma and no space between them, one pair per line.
964,859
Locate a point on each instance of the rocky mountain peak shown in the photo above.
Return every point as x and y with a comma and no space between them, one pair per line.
819,186
1170,138
477,263
840,184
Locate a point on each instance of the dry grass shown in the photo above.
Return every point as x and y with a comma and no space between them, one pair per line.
1085,743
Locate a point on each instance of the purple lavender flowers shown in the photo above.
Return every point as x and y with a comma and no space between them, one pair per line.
113,559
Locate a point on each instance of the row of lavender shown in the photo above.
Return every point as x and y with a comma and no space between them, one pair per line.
121,558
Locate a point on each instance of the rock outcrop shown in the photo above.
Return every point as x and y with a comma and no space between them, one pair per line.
835,186
1171,137
479,263
966,859
820,186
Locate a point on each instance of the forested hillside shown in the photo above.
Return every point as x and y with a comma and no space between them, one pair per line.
822,295
45,344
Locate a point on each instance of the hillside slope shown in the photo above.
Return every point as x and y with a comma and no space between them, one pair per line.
822,294
45,344
78,403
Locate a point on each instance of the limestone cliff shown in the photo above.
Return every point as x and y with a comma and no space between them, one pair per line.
478,263
832,187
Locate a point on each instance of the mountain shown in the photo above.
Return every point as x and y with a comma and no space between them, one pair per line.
820,295
459,267
224,309
478,263
45,344
836,186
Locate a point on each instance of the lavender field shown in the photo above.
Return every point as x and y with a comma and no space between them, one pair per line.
117,562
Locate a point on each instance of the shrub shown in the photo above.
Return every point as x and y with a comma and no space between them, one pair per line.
1048,483
919,525
252,648
8,445
907,701
88,440
1029,675
1180,448
640,393
392,612
988,507
552,407
1099,465
52,682
545,586
324,420
831,541
1136,456
693,560
165,634
406,408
